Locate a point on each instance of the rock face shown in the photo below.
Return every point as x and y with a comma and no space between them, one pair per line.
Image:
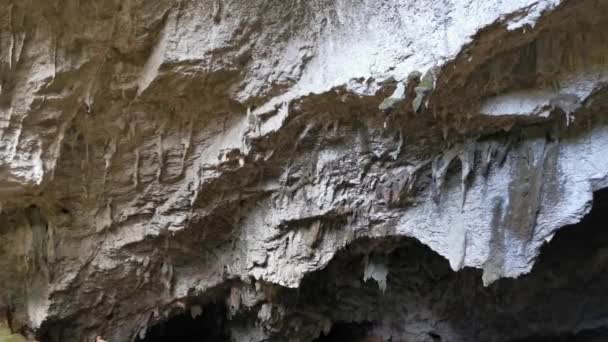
266,170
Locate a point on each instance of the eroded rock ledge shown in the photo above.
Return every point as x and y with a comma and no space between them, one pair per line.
285,170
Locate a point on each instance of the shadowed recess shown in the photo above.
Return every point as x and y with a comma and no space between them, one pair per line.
205,326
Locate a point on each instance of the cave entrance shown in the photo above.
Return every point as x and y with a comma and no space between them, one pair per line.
351,331
207,326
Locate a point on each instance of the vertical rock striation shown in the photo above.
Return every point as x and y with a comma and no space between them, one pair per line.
273,170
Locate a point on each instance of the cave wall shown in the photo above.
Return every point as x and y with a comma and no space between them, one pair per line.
157,156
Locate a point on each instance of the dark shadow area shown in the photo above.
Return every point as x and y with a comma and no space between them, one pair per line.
352,332
598,335
206,327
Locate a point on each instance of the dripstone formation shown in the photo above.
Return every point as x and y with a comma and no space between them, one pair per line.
288,170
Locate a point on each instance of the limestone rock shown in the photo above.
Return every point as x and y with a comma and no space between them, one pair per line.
174,161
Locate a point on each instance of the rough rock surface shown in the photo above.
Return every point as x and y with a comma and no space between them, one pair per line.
232,161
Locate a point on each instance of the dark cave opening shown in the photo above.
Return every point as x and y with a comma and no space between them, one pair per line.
191,326
351,331
594,335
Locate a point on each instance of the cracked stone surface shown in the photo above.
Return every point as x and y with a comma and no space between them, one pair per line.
176,161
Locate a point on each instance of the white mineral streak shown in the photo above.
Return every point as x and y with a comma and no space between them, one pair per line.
376,271
568,94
